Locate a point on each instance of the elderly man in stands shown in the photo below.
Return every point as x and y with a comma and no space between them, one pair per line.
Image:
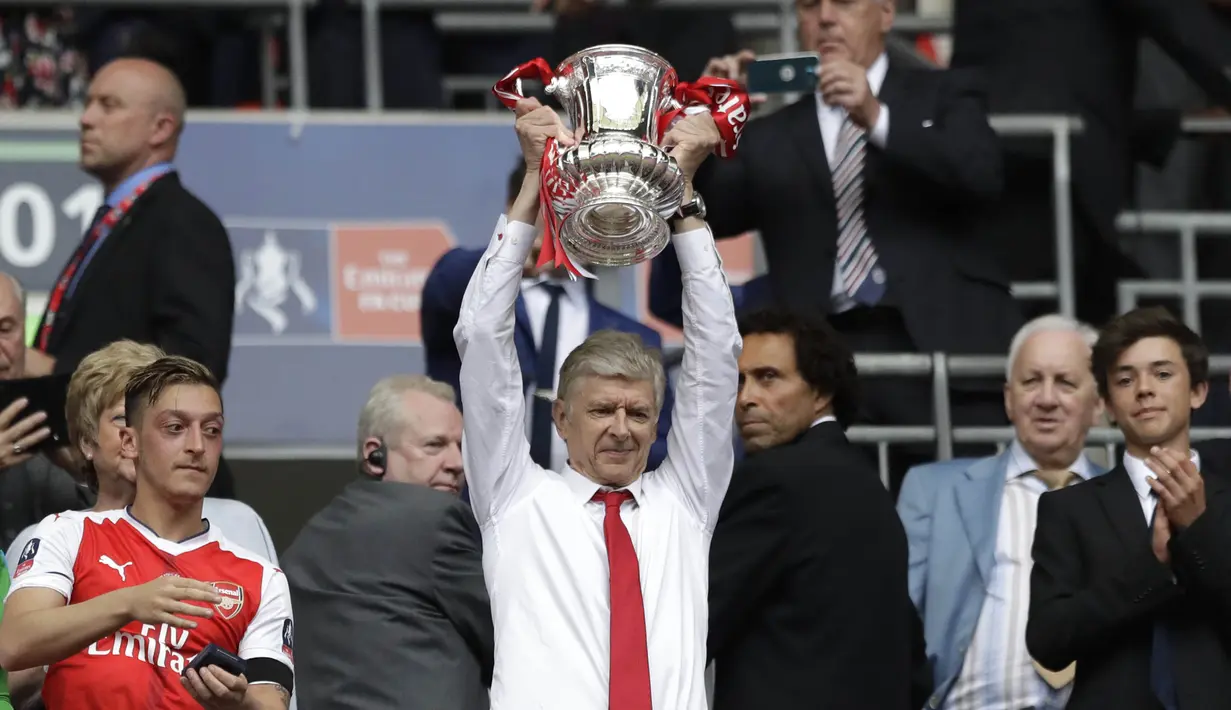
970,523
31,486
598,572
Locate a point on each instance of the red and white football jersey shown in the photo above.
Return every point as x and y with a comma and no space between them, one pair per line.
84,555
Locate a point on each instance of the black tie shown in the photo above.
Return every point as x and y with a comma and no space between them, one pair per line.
98,216
1162,668
544,379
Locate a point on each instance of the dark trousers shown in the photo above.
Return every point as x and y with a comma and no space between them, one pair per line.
898,400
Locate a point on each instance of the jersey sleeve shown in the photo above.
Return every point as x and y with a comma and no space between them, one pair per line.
271,633
48,558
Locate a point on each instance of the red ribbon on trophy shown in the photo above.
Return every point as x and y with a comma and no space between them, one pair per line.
724,99
553,185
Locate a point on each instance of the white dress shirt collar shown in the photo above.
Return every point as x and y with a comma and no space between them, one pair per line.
574,291
583,489
1138,472
1020,463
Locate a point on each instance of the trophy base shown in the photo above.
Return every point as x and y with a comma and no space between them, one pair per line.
614,230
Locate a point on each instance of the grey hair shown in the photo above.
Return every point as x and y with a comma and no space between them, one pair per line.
17,290
611,353
1053,322
383,417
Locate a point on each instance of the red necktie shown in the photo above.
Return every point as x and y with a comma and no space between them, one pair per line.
630,661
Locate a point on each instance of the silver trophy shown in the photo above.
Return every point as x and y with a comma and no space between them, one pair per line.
623,186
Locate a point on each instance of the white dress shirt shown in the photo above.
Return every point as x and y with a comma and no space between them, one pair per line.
1138,472
831,119
544,553
574,319
997,672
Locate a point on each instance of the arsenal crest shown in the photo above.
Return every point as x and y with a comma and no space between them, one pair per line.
232,599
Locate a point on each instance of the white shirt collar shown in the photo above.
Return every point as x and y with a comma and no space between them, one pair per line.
583,489
876,77
574,291
1021,463
1139,472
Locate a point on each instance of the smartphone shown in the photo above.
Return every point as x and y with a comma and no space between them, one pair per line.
215,655
44,394
783,73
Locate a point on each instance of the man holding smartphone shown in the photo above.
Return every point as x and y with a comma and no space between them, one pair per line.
121,602
863,192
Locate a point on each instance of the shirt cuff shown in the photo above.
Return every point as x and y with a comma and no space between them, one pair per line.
879,135
512,241
696,250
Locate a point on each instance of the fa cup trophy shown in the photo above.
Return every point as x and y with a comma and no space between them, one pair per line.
607,200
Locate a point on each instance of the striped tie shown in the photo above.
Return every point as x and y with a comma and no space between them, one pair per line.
862,280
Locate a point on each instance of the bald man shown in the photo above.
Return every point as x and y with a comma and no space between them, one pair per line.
155,265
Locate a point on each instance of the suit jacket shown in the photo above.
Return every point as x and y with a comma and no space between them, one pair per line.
1097,589
808,596
442,302
1079,57
940,166
164,275
31,491
951,511
666,290
387,581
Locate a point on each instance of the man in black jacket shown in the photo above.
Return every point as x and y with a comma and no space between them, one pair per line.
808,566
389,575
156,264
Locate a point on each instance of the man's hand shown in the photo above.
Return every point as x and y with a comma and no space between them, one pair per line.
845,84
162,601
215,688
1162,535
17,438
735,68
535,124
1179,486
691,141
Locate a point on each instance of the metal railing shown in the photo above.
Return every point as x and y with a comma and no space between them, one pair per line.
1189,289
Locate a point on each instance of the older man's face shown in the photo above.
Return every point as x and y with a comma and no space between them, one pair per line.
12,332
1051,397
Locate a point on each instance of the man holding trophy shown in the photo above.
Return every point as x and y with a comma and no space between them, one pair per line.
598,572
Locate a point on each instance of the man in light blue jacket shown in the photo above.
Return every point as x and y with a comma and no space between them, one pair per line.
970,524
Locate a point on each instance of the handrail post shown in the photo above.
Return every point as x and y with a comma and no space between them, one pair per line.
1188,275
372,69
940,406
1063,206
297,38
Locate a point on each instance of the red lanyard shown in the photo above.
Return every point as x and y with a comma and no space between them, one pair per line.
109,220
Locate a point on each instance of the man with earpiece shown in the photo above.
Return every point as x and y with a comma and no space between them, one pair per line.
389,576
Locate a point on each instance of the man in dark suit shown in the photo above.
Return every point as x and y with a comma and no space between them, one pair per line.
1079,57
388,578
808,584
864,194
551,308
156,265
1132,570
666,290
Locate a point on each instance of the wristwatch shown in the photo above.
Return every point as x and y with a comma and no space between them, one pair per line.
693,208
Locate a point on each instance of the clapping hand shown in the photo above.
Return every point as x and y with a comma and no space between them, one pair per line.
1179,486
16,438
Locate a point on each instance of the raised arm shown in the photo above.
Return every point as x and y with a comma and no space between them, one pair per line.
699,452
494,445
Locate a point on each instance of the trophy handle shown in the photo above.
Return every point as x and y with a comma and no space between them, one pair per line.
725,100
508,89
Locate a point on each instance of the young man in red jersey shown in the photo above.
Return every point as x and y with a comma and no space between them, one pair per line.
118,603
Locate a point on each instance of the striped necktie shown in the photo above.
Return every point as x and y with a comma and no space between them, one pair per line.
862,280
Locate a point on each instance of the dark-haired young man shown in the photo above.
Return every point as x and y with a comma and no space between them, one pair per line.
1132,570
808,586
118,603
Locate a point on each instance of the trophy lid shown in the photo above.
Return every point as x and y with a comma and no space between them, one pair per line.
617,50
